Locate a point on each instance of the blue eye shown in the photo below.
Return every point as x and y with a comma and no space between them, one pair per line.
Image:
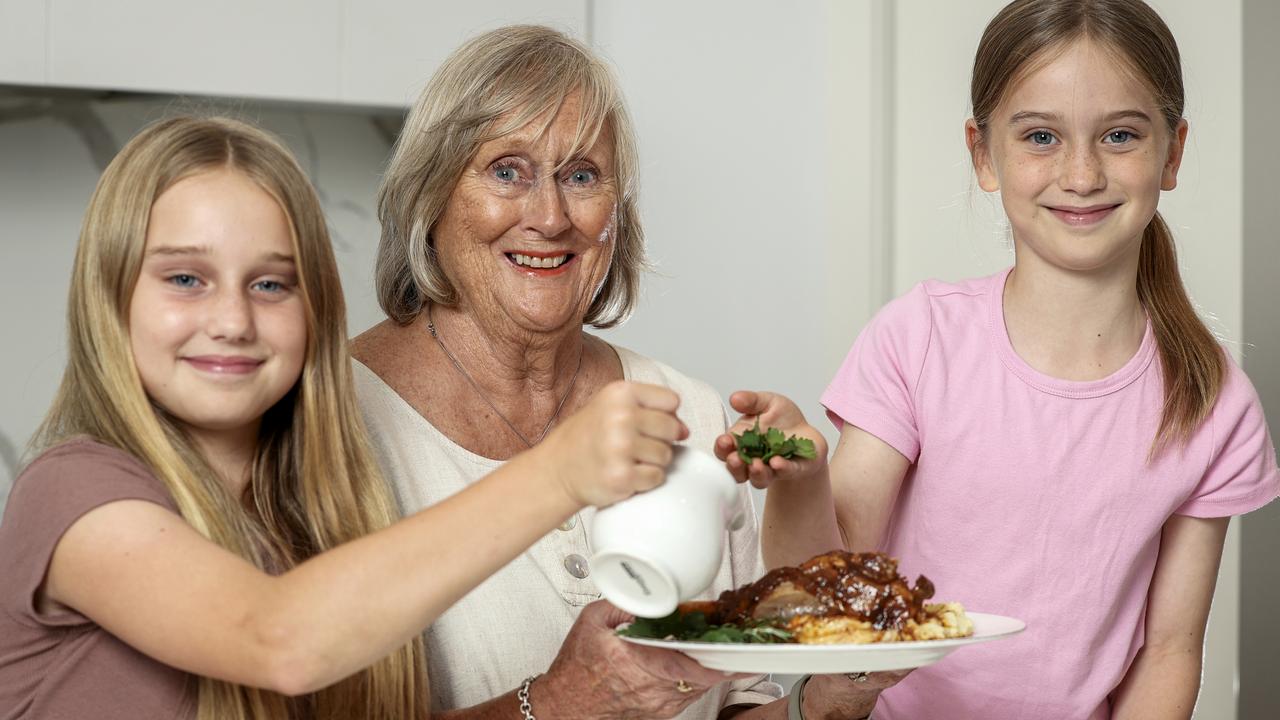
270,286
506,173
582,177
1119,137
1041,137
183,280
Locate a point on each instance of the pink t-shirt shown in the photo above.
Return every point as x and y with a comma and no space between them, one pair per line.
1031,496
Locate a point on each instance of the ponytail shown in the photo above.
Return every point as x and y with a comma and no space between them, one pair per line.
1190,356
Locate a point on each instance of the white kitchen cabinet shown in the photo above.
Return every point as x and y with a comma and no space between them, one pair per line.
22,42
284,49
391,47
360,52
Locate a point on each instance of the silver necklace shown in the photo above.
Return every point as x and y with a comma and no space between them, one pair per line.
431,328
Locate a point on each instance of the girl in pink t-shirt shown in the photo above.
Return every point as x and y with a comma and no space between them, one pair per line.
1065,441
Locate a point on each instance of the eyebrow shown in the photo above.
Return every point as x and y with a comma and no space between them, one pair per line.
192,250
1032,116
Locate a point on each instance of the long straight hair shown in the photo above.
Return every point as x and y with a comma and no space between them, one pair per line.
313,482
1026,32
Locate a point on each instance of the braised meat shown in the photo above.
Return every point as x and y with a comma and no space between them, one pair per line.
842,597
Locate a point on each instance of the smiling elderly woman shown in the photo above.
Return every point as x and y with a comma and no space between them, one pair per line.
509,221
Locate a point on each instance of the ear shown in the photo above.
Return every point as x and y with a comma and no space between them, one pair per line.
1177,144
980,154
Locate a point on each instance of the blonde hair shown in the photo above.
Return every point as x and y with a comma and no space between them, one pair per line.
314,484
1026,32
490,87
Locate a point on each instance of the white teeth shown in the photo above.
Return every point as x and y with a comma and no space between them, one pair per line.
536,262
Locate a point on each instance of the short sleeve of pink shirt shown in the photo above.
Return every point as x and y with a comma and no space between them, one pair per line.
1241,474
875,387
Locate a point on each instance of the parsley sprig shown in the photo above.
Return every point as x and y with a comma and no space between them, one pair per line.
772,443
693,627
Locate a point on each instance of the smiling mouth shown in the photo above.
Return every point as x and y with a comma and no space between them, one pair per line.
1079,216
539,262
223,365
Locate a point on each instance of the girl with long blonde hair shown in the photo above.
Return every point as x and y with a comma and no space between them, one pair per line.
204,533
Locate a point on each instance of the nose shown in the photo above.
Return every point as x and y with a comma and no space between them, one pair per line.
1082,171
545,209
230,316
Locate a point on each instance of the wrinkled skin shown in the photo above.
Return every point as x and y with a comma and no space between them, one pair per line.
598,675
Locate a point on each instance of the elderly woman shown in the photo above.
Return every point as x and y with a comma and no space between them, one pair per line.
509,221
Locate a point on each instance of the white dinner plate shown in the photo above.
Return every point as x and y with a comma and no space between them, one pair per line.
795,659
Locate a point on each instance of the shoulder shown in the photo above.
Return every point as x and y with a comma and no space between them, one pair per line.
82,457
375,342
909,324
1240,474
641,368
926,300
1237,405
700,405
383,365
51,494
392,352
85,472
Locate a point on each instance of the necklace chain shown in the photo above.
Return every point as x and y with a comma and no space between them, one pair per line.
435,334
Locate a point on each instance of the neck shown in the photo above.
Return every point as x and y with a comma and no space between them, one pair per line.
506,360
229,453
1074,325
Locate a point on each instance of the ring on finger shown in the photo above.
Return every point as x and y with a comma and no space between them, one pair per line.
683,687
857,677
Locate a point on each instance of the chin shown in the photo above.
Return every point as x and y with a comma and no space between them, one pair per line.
545,317
217,414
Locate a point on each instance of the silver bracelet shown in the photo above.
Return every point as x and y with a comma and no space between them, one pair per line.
794,712
526,709
796,701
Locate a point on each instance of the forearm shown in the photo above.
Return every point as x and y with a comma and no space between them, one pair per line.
776,710
799,521
347,608
1159,686
825,697
503,707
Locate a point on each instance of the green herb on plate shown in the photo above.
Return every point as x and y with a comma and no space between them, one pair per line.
772,443
693,627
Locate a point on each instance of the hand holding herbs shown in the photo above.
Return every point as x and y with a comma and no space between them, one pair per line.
772,443
693,627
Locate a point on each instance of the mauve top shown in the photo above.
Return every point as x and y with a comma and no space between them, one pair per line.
54,662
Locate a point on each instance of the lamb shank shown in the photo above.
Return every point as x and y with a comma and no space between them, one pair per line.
841,597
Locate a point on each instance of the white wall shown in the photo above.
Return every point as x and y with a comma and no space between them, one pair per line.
351,52
757,229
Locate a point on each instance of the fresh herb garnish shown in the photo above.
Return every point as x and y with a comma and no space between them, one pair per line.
772,443
693,627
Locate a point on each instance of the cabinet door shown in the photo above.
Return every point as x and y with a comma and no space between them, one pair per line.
284,49
22,41
390,48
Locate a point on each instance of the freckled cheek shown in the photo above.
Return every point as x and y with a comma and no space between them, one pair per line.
488,221
596,218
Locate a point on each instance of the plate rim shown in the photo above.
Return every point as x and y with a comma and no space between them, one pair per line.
693,646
